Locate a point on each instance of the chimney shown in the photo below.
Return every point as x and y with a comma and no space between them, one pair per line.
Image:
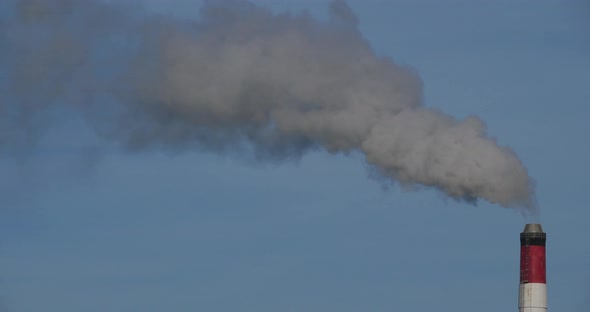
532,295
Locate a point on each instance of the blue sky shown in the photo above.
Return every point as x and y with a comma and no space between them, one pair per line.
196,231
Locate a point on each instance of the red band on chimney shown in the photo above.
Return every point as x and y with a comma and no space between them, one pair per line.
532,264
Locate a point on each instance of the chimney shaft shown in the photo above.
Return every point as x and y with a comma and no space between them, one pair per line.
532,295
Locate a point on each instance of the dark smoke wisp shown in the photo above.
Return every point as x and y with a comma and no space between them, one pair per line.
282,83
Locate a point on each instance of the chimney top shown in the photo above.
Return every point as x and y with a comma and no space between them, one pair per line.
533,228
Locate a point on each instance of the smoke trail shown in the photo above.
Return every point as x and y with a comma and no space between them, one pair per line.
284,84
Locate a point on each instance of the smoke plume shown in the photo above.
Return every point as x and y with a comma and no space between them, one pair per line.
239,75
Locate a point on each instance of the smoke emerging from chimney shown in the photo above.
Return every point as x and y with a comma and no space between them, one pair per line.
280,84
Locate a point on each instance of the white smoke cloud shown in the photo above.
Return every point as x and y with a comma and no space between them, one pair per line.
282,83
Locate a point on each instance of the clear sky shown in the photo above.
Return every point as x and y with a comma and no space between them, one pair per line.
88,229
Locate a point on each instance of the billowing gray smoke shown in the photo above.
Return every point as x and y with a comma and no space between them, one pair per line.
241,76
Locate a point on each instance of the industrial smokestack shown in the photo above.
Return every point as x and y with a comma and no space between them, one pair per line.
532,295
